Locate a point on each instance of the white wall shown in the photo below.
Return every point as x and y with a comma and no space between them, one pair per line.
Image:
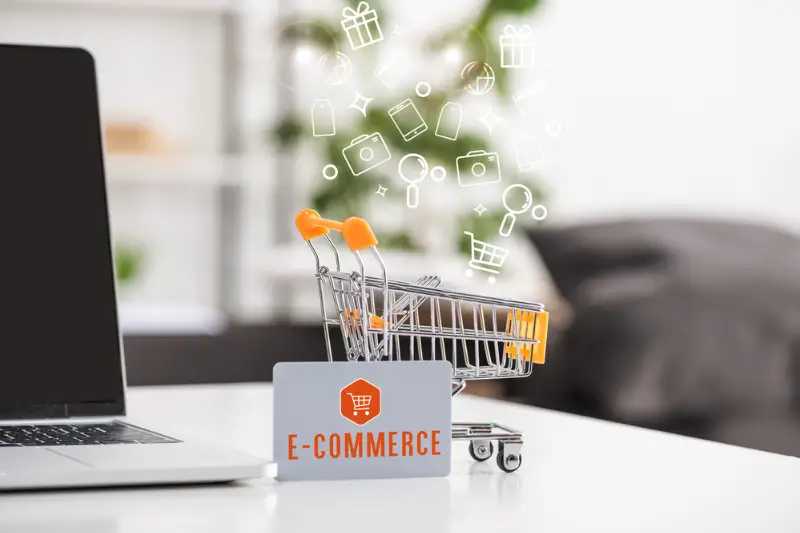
678,107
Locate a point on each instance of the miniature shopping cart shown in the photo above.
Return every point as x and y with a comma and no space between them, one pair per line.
382,320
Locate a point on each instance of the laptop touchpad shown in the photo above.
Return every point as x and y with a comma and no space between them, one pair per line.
24,460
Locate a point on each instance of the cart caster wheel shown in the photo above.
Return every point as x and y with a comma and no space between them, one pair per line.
355,413
481,450
508,462
366,413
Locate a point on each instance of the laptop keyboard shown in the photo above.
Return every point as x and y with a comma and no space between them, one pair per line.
78,434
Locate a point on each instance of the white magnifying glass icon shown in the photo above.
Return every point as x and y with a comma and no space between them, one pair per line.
414,173
511,216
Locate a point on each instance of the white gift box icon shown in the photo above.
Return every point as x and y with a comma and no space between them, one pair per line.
516,47
361,25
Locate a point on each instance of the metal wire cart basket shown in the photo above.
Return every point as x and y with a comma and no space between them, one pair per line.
385,320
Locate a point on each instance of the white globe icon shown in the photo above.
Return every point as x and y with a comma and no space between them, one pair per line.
478,78
335,67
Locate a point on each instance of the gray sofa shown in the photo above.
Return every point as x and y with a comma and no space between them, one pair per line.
688,326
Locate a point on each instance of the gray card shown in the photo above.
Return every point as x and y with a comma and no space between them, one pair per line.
362,420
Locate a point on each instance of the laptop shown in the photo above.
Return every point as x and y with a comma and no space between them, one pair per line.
62,372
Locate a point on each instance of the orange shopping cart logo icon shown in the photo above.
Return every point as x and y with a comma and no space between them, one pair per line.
360,402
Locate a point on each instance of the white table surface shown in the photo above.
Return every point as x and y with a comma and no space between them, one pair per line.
577,475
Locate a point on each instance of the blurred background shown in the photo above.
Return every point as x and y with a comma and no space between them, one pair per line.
661,139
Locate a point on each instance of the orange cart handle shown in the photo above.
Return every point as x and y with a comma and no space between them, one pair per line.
541,325
356,231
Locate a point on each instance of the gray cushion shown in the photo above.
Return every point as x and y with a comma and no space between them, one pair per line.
678,318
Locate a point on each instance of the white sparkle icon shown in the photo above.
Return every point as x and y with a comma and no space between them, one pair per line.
480,210
381,190
360,103
490,119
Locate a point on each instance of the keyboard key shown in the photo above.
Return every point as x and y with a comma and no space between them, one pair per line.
96,430
78,434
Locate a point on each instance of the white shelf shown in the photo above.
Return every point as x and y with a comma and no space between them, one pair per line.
200,170
197,6
170,320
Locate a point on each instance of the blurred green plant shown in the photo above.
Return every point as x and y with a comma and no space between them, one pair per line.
348,194
128,262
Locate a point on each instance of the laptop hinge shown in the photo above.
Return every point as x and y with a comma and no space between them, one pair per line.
53,421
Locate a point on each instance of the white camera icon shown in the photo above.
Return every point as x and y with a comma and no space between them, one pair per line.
365,153
478,168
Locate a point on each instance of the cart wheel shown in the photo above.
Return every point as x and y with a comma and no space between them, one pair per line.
469,273
492,279
481,450
507,463
366,413
355,413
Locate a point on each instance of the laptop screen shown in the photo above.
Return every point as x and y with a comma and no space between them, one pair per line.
59,346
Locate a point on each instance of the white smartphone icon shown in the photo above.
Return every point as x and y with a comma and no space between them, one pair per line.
530,153
407,119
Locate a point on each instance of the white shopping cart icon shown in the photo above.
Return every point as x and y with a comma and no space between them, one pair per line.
360,403
485,257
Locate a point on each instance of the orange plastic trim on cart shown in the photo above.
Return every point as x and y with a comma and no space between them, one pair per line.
356,231
375,322
540,327
528,325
